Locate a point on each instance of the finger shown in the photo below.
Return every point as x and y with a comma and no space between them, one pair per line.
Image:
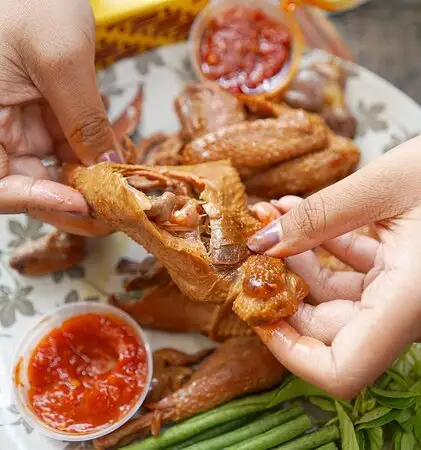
356,250
61,63
264,212
371,194
21,194
324,284
324,321
83,226
28,166
360,352
359,252
22,130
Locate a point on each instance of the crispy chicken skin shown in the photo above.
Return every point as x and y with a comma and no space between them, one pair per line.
195,221
239,366
203,108
54,252
255,146
307,173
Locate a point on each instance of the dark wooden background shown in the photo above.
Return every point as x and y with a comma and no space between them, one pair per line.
385,37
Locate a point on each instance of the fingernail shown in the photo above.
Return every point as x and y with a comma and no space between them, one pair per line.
266,238
110,156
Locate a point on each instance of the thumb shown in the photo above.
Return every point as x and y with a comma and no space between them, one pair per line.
21,194
62,68
381,190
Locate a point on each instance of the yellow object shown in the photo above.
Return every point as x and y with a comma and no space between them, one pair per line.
128,27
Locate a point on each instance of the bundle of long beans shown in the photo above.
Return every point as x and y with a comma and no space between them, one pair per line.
267,421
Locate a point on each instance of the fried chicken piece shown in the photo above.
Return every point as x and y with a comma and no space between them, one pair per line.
263,108
160,150
257,145
239,366
54,252
171,370
203,244
163,307
308,173
320,88
204,108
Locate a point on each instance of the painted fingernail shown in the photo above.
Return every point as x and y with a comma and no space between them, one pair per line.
110,156
266,238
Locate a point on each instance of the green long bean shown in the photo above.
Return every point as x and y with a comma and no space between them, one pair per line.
255,428
330,446
213,432
292,388
278,435
313,440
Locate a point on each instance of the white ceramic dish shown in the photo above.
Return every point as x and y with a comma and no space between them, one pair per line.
386,117
31,340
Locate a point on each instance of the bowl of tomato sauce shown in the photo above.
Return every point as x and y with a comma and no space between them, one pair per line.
82,371
246,47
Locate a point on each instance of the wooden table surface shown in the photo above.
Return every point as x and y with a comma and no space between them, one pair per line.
385,37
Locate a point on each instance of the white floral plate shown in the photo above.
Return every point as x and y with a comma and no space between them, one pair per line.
386,118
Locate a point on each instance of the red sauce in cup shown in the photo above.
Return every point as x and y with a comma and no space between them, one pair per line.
86,374
244,49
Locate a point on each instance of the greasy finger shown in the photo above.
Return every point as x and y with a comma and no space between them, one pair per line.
324,321
371,194
21,194
326,285
82,226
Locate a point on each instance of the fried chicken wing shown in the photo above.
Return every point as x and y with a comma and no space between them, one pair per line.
203,108
51,253
308,173
202,240
239,366
257,145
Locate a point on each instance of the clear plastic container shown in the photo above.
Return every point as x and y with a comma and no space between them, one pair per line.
30,342
275,12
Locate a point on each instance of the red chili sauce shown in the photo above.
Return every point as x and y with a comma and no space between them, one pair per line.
244,50
87,374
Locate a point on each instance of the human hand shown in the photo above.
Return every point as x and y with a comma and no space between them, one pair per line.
50,105
360,320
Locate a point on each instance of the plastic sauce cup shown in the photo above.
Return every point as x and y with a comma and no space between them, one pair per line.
31,341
